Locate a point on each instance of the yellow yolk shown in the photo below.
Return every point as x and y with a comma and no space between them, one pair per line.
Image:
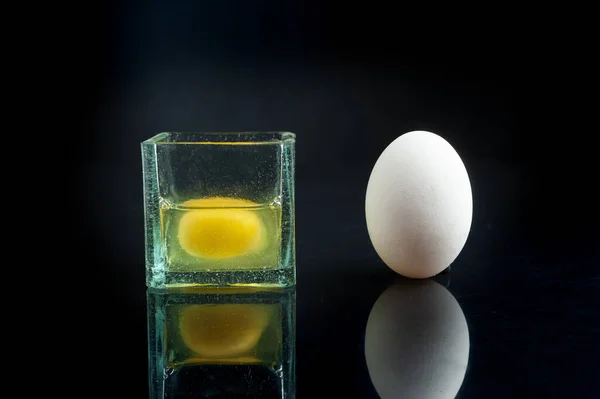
223,229
221,331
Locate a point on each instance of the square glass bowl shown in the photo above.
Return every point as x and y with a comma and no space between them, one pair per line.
219,209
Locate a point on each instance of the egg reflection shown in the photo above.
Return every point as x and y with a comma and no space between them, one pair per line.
417,342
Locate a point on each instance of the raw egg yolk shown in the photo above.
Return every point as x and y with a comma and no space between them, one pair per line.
223,331
220,228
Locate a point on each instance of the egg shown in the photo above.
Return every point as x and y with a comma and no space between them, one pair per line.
221,228
418,205
417,342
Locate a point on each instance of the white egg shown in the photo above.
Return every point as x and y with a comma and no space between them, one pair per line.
417,342
419,205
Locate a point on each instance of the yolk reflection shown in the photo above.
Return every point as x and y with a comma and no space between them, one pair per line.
223,331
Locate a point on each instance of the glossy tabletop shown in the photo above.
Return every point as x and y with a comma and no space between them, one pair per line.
468,332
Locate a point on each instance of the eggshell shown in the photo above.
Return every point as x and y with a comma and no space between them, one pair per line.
417,342
419,205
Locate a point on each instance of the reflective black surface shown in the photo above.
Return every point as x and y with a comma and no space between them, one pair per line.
470,330
526,336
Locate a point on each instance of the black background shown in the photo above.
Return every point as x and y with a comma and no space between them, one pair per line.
513,91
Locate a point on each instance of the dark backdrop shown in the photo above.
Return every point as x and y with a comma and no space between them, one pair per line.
508,87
